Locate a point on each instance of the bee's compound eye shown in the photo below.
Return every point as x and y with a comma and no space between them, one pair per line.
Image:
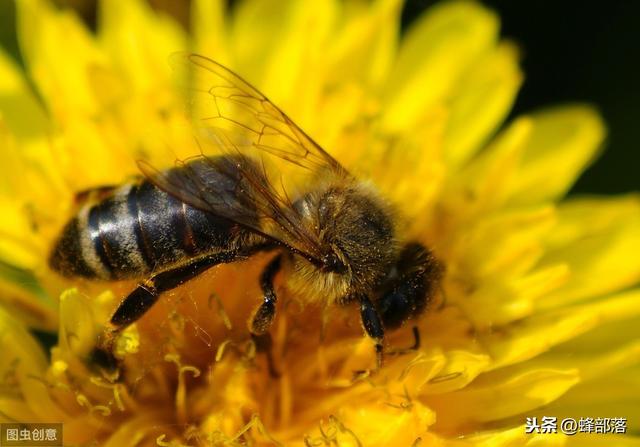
332,263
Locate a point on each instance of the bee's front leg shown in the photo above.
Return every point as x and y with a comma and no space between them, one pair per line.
373,326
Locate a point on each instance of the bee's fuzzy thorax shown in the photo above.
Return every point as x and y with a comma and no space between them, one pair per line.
354,224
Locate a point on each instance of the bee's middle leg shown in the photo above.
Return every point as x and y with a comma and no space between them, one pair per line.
264,315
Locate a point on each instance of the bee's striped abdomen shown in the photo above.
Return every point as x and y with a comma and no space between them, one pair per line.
138,229
107,242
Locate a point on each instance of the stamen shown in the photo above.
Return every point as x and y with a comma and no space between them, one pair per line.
329,436
181,392
257,423
446,377
221,312
161,442
343,429
286,400
418,360
118,390
221,350
84,402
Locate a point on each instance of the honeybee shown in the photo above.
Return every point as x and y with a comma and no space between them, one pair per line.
335,237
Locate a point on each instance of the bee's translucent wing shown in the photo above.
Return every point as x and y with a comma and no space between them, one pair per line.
250,155
222,185
220,99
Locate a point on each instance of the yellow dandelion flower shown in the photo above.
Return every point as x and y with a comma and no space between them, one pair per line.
540,305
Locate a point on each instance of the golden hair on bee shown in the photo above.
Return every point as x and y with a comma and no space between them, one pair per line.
357,232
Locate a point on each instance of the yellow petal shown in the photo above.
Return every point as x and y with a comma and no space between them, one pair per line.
17,248
30,180
616,326
21,112
500,394
604,339
513,437
540,332
23,357
502,245
29,166
385,423
21,295
583,217
271,53
595,365
591,440
460,369
365,46
599,240
598,365
140,42
483,185
563,143
435,52
482,100
15,409
415,190
210,30
78,325
612,395
103,155
499,301
58,50
134,431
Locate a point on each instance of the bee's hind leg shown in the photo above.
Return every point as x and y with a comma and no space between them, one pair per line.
265,313
143,297
140,300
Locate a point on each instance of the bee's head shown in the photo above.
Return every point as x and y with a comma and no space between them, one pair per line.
356,235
